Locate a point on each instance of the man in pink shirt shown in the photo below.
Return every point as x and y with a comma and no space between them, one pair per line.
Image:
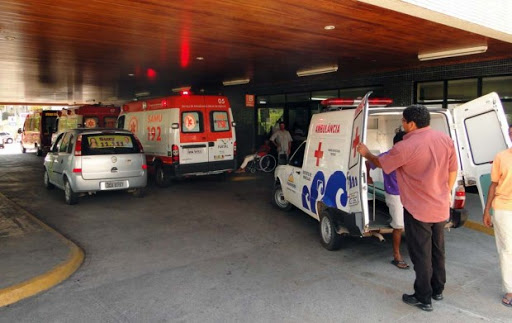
426,168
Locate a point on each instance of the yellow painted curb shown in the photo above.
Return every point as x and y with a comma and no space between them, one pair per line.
479,227
49,279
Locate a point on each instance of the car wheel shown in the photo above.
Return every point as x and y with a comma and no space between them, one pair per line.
162,178
329,238
9,140
279,199
46,180
71,197
139,192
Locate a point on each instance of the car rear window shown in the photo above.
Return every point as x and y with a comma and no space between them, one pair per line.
104,144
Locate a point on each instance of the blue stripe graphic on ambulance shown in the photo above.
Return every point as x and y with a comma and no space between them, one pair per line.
334,193
317,184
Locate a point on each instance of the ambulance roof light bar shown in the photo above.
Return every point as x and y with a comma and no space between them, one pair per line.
351,103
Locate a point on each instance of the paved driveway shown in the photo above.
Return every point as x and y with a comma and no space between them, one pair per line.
208,250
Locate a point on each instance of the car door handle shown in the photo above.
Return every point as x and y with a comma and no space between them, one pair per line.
114,170
297,171
211,144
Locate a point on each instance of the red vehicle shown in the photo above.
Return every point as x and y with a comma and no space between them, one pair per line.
87,116
37,131
183,135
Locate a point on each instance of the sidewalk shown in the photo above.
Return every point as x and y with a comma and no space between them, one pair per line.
33,256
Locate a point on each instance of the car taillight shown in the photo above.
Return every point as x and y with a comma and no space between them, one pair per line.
234,148
144,167
175,154
77,170
78,147
460,197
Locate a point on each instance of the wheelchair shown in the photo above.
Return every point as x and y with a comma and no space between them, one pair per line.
266,163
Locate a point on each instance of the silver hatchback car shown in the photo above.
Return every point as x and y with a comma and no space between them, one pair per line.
85,161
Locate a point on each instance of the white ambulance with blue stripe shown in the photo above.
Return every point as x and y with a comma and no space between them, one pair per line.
326,177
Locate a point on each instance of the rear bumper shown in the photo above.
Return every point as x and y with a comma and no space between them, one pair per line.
197,169
349,221
80,185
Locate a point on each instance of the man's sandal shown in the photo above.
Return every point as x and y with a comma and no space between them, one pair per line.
400,264
506,301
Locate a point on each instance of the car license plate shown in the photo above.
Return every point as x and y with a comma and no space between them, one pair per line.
113,185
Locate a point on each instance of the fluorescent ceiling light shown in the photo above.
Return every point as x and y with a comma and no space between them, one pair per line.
140,94
236,82
452,53
320,70
181,89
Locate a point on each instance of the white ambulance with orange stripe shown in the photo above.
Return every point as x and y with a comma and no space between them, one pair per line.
327,179
183,135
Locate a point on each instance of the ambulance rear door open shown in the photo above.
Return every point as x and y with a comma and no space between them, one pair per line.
356,177
481,131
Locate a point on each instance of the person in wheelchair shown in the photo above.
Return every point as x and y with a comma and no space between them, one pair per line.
262,151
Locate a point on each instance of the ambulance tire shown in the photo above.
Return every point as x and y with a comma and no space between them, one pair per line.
279,201
162,178
329,238
46,180
70,196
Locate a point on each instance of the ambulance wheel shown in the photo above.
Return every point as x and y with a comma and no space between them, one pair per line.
70,196
279,199
329,238
162,179
46,180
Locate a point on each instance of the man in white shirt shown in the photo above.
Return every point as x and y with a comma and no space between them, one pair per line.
283,141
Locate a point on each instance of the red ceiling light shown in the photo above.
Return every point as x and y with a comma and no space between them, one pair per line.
151,74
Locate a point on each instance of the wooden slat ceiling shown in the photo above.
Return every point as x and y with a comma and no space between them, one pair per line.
67,51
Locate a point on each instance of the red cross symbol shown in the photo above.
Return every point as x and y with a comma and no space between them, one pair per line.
355,142
319,153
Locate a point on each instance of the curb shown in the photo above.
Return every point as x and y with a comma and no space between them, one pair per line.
479,227
49,279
